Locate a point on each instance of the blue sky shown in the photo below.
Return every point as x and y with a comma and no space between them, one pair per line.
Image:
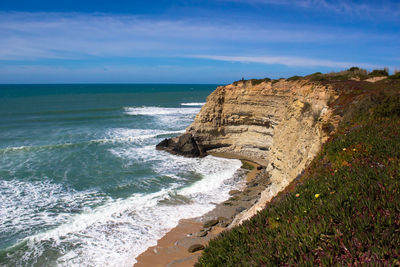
99,41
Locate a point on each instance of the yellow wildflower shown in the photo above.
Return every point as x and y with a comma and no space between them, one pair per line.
354,149
316,195
344,149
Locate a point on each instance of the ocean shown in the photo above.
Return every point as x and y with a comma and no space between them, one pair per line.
81,183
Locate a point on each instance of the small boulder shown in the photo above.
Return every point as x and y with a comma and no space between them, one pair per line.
234,192
226,224
195,247
227,203
221,219
240,209
210,223
202,233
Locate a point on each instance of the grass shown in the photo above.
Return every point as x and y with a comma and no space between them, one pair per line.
246,165
351,73
345,208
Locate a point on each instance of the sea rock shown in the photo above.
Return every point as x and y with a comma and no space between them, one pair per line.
184,145
195,247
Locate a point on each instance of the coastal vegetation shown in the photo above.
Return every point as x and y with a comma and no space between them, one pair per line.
344,209
353,73
253,81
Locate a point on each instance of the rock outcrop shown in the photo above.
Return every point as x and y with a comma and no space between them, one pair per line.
184,145
280,125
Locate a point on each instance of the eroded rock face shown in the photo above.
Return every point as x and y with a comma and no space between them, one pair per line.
254,120
184,145
278,125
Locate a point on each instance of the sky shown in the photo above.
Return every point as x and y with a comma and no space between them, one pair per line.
192,41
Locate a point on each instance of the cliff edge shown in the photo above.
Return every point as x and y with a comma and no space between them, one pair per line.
281,125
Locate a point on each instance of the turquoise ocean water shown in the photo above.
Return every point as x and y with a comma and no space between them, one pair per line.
81,183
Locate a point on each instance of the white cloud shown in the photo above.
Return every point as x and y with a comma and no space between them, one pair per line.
288,61
385,9
29,36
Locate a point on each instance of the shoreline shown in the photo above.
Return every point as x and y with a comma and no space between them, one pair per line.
172,248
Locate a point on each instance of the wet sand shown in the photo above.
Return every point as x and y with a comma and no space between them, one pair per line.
172,249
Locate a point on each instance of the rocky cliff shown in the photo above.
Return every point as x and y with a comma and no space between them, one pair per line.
280,125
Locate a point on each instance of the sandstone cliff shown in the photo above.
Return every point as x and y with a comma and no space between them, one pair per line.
278,125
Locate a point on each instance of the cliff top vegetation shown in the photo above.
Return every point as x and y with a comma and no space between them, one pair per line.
353,73
345,208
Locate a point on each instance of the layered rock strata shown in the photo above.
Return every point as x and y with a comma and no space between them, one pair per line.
278,125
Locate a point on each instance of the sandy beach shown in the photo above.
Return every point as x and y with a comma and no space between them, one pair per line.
173,248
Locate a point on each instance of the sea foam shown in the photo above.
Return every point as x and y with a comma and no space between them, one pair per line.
118,231
154,111
68,227
193,104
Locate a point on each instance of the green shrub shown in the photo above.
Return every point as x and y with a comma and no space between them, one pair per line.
258,81
246,165
328,127
395,76
275,81
378,73
295,78
317,76
253,81
352,69
352,73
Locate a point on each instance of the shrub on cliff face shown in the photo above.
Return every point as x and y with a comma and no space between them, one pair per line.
253,81
317,76
355,219
395,76
328,127
294,78
258,81
377,73
354,69
246,165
